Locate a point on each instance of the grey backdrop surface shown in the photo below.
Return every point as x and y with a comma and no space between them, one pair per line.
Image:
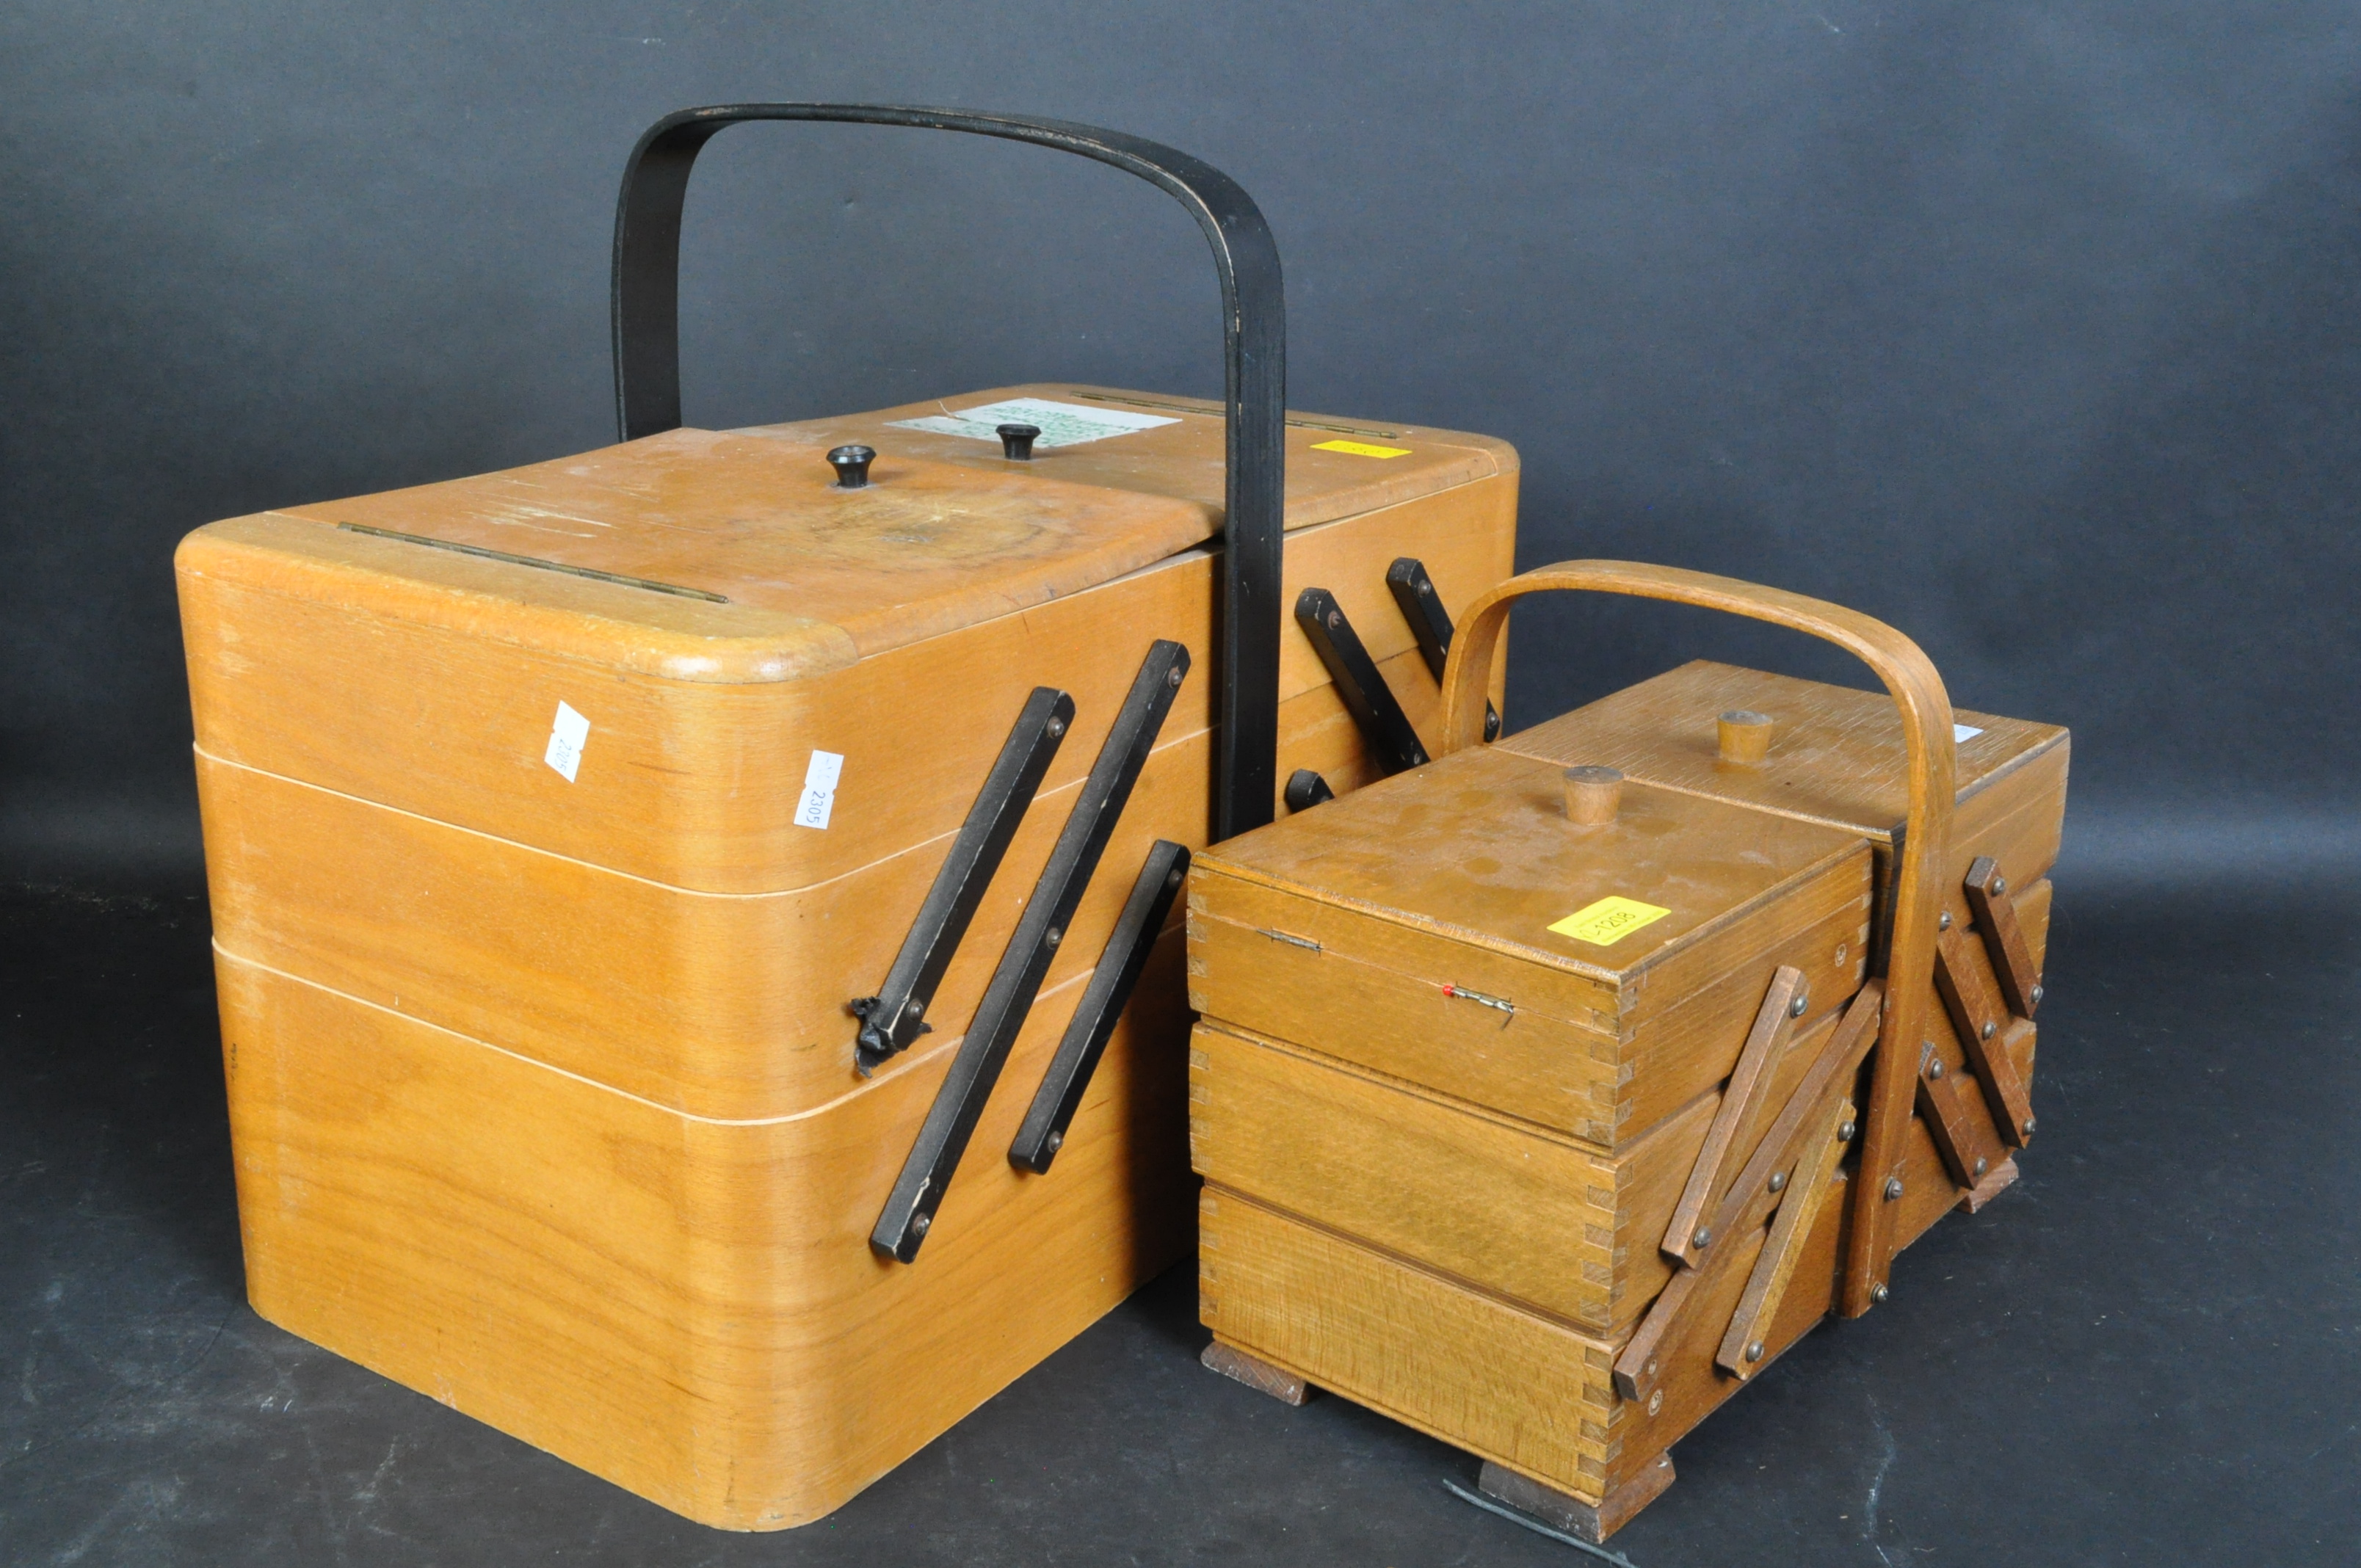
2030,328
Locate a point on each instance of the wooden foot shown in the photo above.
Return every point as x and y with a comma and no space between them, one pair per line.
1993,1184
1593,1522
1256,1373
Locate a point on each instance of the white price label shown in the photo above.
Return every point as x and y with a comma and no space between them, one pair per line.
819,789
566,740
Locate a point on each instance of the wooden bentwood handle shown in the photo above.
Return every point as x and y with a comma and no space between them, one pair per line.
1927,733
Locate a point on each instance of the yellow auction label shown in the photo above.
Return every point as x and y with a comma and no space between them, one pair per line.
1360,449
1609,921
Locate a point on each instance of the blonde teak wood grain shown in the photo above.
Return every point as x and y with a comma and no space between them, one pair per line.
1183,460
717,1004
427,680
687,1307
542,1083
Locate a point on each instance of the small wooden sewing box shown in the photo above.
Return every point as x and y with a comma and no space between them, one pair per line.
1545,1094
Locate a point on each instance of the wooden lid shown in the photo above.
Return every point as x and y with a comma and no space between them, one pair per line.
1477,848
737,555
1335,468
1835,756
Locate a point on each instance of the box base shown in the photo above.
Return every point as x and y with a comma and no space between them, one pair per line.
1256,1374
1593,1522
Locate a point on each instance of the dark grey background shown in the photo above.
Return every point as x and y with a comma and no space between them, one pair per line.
2030,328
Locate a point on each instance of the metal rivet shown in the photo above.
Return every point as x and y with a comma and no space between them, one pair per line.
2034,996
1945,923
1173,679
914,1008
2000,886
1803,1000
1935,1068
1892,1188
921,1223
1173,879
1655,1401
1335,618
1878,1293
1845,1133
1704,1237
1754,1351
2029,1126
1054,937
1057,728
1982,1165
1055,1142
1778,1181
1987,1032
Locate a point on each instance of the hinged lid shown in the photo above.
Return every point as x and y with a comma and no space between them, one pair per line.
1158,445
737,555
1454,927
1835,755
1478,849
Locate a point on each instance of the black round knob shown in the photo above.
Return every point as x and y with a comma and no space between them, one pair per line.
851,465
1017,441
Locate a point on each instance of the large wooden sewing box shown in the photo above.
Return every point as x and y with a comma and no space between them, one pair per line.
1545,1094
632,873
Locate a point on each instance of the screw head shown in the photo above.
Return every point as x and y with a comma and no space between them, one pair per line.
1650,1369
2029,1126
1754,1351
920,1223
1845,1133
1892,1188
2000,887
1802,1001
1054,937
1057,728
1335,618
1935,1068
1054,1142
1987,1032
1172,878
2033,996
1655,1401
1778,1181
1945,923
1704,1237
1878,1293
914,1008
1982,1165
1173,679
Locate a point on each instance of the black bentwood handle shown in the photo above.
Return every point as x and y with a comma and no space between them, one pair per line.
1254,333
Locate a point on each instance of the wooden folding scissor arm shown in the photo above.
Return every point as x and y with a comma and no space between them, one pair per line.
1783,1184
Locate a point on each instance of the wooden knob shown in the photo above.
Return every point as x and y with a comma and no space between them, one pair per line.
1745,736
1593,795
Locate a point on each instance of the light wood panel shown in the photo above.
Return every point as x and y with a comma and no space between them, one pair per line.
717,1004
1457,1364
1545,1220
1185,459
1836,753
427,681
688,1307
1405,928
923,548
